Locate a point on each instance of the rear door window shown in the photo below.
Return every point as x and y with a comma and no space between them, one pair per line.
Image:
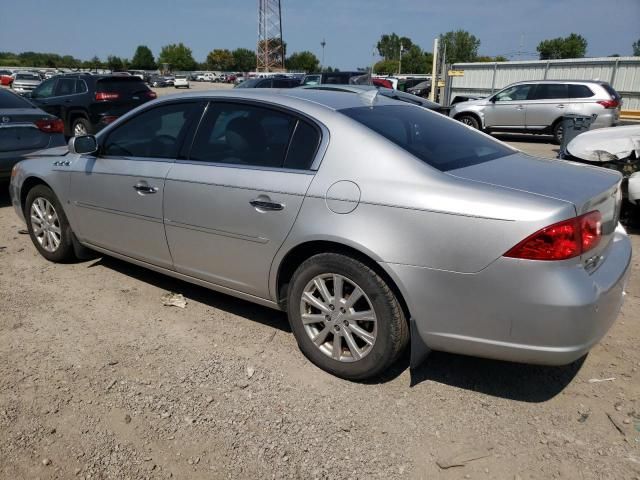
157,132
243,134
65,86
551,91
580,91
303,146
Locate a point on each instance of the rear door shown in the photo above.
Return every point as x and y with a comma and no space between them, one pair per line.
507,109
229,207
43,94
549,102
117,196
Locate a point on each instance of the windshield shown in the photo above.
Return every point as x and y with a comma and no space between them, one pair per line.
436,140
11,100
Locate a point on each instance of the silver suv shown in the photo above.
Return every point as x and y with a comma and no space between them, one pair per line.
538,106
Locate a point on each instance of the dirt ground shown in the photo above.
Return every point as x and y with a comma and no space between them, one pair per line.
99,380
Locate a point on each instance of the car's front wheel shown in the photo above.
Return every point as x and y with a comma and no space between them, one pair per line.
345,317
469,120
48,226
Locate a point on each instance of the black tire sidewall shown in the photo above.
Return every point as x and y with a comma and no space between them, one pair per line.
64,253
383,351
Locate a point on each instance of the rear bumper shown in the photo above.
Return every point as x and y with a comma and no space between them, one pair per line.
518,310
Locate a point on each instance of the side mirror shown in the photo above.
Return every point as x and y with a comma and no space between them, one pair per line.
28,95
493,99
84,144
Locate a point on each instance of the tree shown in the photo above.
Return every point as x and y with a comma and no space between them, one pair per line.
178,56
416,61
573,46
220,59
636,48
143,59
114,63
386,67
244,60
460,45
389,46
486,58
303,62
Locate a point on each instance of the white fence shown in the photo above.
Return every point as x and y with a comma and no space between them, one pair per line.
482,79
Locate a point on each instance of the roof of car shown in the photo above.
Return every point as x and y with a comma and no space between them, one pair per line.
598,82
334,100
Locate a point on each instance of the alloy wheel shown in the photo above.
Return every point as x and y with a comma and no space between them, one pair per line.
338,317
45,224
79,129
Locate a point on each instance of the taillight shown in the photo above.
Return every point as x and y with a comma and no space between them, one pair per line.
561,241
151,94
609,103
107,119
104,96
50,126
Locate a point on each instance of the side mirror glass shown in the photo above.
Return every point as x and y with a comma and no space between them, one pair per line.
83,144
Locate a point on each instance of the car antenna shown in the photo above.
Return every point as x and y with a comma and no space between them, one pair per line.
369,96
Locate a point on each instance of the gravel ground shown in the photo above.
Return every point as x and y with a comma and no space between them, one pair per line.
99,380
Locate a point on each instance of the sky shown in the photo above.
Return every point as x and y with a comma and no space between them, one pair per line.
350,28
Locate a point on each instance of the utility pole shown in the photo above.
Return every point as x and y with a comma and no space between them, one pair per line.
434,70
323,43
400,64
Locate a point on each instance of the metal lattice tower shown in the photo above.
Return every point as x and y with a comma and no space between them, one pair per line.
270,51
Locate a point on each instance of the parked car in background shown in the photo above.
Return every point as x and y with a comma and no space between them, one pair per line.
270,82
422,89
87,103
206,77
181,81
24,129
6,77
538,107
368,220
333,78
24,82
170,80
158,81
386,92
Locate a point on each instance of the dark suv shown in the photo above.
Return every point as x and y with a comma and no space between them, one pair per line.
272,82
87,103
330,78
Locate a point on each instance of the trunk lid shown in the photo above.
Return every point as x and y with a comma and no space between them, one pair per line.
18,130
587,188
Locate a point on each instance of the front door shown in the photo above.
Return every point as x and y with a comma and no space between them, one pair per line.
117,196
230,206
549,102
508,107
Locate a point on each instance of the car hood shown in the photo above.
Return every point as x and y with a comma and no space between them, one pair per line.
606,144
468,103
60,151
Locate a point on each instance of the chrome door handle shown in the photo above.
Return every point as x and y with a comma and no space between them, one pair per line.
561,106
143,188
266,205
520,107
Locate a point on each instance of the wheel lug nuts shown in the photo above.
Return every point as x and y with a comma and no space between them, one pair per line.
346,323
332,307
337,328
327,318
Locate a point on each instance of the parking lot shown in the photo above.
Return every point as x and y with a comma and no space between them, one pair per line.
99,380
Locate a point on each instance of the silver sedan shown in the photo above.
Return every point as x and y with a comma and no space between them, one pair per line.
373,223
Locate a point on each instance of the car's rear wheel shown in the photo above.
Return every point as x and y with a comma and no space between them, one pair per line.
48,226
558,132
469,120
80,126
345,317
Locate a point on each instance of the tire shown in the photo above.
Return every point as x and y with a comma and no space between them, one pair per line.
80,126
387,335
557,132
469,120
62,250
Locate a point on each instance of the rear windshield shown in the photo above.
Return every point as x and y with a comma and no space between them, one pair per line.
122,85
611,91
442,143
27,76
11,100
251,83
